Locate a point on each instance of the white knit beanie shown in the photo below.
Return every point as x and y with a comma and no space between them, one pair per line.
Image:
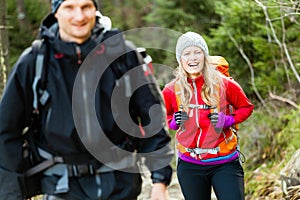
187,40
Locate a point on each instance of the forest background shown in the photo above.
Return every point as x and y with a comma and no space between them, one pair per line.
259,38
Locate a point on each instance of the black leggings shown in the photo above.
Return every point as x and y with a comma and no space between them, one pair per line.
226,179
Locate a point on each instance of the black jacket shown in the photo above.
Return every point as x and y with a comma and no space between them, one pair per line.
58,133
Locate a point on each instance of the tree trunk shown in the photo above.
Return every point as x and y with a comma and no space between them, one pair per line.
22,15
290,177
4,60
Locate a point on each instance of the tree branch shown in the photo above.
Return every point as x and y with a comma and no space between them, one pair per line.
282,46
285,100
240,49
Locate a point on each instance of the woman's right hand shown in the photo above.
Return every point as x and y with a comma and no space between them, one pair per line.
180,117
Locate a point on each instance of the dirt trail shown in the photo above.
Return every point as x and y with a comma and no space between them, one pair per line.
174,188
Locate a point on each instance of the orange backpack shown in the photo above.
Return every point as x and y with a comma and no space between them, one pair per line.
220,64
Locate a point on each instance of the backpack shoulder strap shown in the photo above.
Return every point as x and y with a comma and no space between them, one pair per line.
178,96
40,95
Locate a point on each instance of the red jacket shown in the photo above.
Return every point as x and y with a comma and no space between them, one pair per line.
199,131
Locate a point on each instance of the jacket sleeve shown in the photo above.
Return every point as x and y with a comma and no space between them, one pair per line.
236,97
14,117
150,110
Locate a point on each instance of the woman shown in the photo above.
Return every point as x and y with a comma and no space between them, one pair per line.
197,103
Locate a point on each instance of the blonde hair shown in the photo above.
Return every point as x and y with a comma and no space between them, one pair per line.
210,92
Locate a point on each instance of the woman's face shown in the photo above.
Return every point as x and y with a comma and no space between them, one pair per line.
192,61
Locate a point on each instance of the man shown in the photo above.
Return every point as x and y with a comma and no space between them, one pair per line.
70,33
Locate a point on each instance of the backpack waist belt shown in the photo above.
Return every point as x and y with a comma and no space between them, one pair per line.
77,170
226,146
90,169
197,150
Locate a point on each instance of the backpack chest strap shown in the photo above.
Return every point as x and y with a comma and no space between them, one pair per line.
202,106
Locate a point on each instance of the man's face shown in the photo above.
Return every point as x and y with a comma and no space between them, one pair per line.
76,19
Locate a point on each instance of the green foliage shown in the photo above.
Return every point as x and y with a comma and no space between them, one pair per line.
37,10
172,15
245,22
272,133
183,15
239,21
290,132
279,140
21,36
127,15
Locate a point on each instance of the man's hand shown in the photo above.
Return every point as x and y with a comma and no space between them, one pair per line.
159,192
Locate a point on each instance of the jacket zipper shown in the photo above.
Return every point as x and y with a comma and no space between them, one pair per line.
78,52
196,111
